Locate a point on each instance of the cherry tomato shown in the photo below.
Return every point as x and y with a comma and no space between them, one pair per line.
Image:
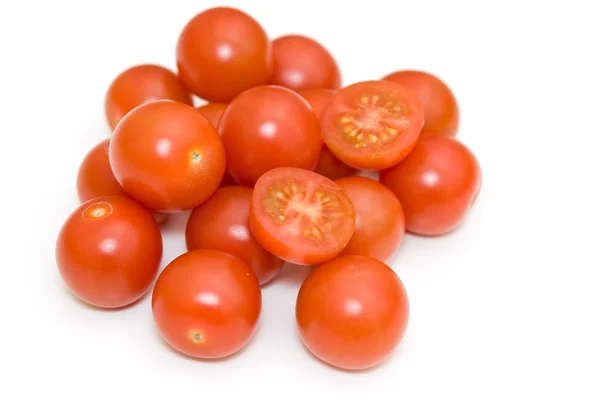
213,112
372,125
436,184
352,312
300,63
379,218
167,156
300,216
329,165
206,304
108,251
96,179
142,84
221,53
222,224
268,127
441,109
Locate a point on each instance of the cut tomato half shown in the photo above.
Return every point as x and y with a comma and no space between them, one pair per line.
301,216
372,125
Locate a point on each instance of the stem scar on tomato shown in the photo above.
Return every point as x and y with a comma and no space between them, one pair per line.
97,210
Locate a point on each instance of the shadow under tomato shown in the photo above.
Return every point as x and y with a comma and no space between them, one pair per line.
292,275
176,222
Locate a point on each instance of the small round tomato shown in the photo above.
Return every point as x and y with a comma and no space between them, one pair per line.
436,184
108,251
439,103
167,156
222,224
300,63
301,216
352,312
142,84
379,218
213,112
372,125
268,127
206,304
221,53
96,179
329,165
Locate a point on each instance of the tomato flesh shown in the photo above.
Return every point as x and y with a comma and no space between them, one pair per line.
372,125
300,216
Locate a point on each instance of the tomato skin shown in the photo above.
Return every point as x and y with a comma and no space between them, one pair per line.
222,224
441,109
213,112
108,251
289,242
329,165
96,179
301,63
206,304
268,127
142,84
379,218
167,156
352,312
222,52
384,120
436,184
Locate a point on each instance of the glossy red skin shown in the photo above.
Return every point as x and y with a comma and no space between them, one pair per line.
222,224
142,84
222,52
379,218
301,63
296,249
371,158
153,154
436,184
329,165
352,312
209,293
95,178
269,127
213,112
110,260
441,109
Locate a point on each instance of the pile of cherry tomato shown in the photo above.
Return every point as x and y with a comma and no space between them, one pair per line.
270,168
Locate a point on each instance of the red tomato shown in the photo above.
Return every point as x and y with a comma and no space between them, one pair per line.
167,156
372,125
352,312
213,112
441,109
300,216
96,179
300,63
379,218
108,251
142,84
269,127
318,98
222,224
223,52
206,304
436,184
329,165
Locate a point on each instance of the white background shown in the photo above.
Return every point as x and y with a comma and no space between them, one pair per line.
507,307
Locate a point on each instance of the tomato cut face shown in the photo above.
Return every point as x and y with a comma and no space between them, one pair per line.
372,125
300,216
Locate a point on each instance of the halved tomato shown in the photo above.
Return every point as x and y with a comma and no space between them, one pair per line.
372,125
301,216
